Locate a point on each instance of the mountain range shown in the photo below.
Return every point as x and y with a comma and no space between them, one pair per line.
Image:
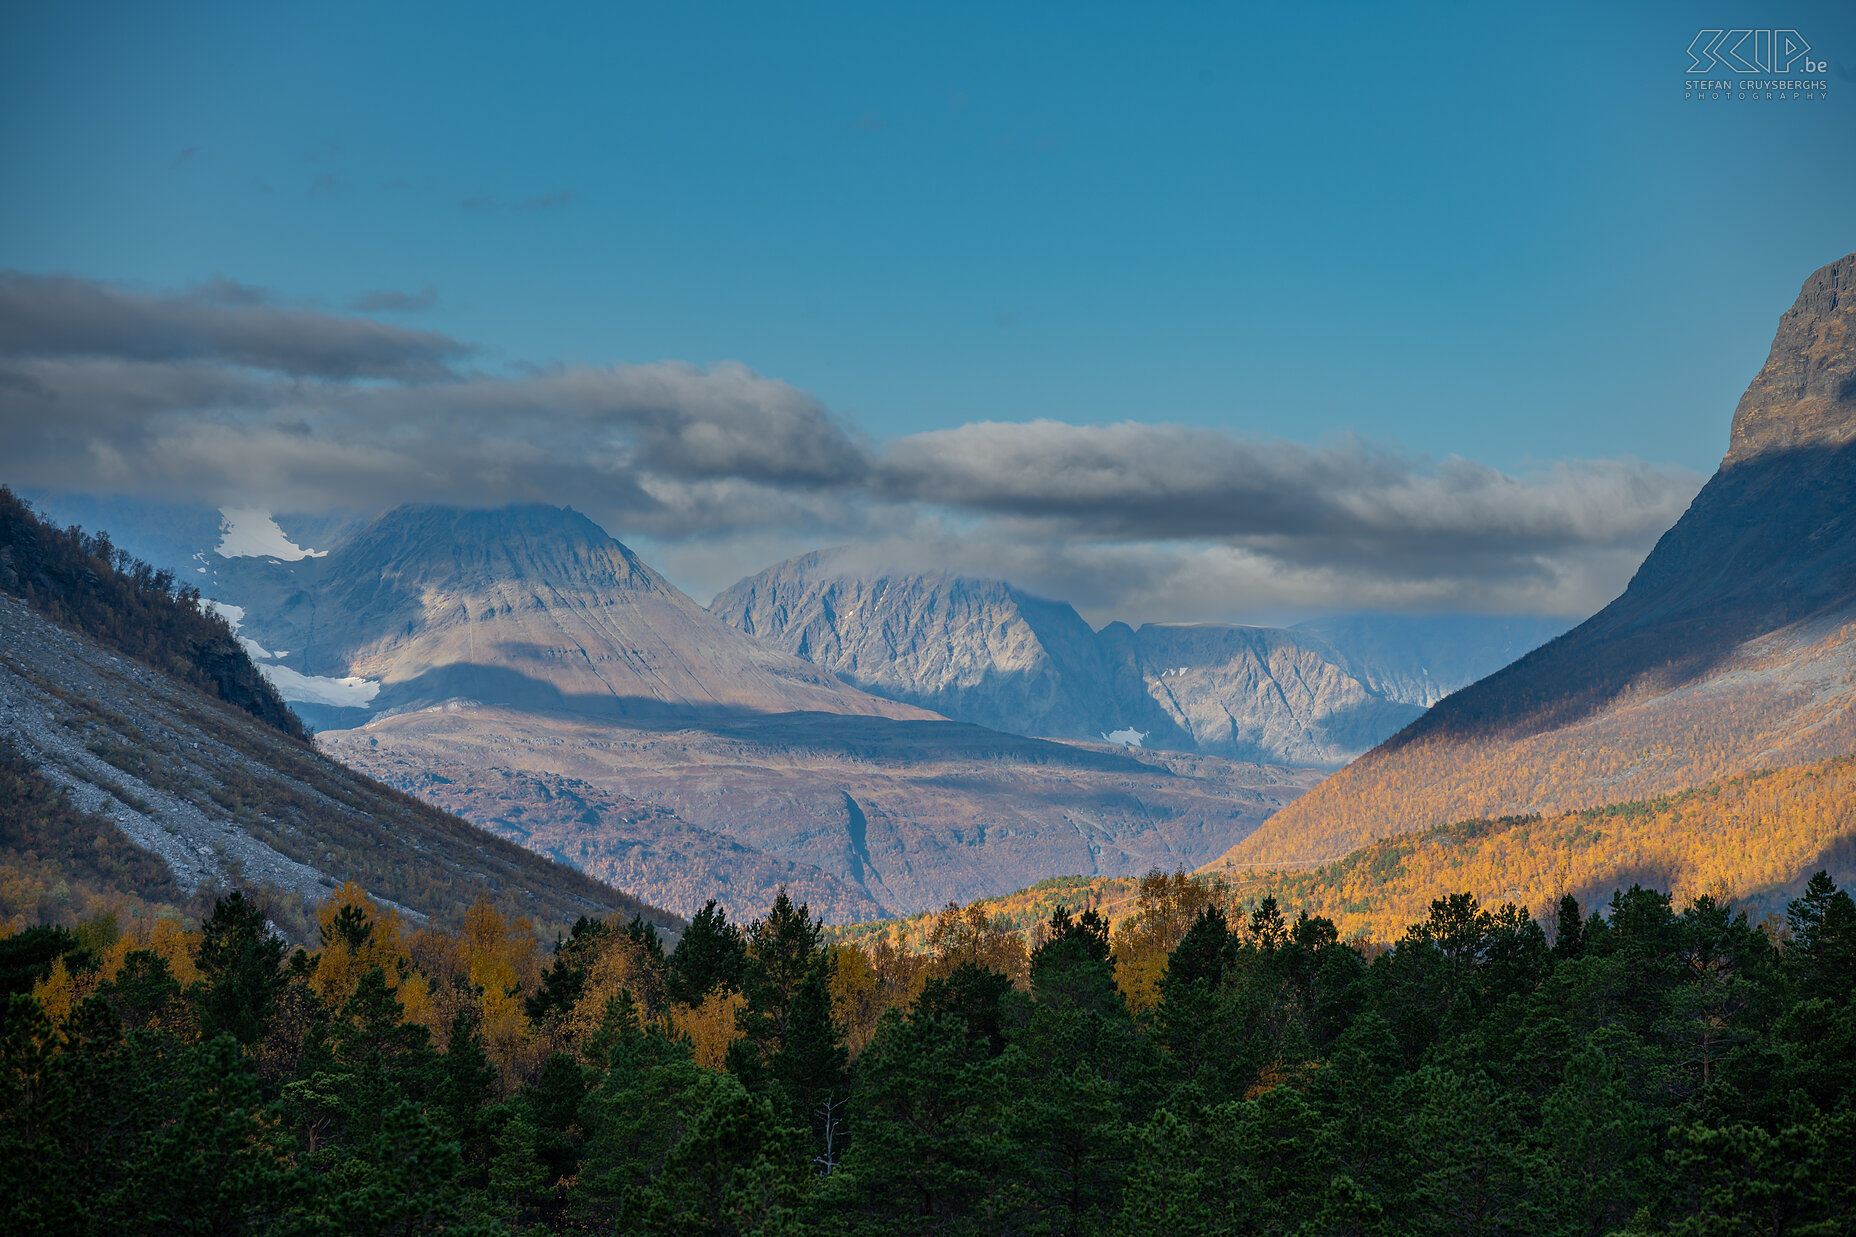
522,668
528,671
967,648
985,652
883,741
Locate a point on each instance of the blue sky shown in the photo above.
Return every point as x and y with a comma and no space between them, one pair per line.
1490,231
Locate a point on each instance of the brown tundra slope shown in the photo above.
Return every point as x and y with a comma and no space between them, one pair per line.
1732,650
861,818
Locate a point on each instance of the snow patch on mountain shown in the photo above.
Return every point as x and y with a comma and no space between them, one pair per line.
345,693
348,693
250,532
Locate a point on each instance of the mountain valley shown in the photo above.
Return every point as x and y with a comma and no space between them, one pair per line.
524,669
882,742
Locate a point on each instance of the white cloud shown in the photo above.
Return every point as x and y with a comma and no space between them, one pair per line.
217,394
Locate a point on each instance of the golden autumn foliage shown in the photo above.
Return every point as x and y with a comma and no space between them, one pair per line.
1023,913
858,996
885,965
1651,740
1754,839
342,963
177,947
499,961
709,1027
1751,839
1150,914
492,965
959,936
621,965
112,941
1164,907
56,993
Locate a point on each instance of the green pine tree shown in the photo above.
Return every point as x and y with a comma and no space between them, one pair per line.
930,1151
1073,967
711,955
735,1171
811,1066
219,1163
241,961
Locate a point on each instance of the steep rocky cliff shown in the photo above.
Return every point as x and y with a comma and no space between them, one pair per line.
977,650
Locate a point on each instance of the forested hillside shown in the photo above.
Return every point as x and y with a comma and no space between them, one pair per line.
1752,839
81,581
1641,1068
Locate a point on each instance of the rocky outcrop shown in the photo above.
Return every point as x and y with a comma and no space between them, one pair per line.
1267,693
980,651
1805,394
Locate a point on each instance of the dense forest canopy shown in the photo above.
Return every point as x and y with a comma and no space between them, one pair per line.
1634,1068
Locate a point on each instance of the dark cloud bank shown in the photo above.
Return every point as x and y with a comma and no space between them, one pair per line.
217,394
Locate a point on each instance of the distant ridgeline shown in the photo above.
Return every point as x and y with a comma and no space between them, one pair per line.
83,582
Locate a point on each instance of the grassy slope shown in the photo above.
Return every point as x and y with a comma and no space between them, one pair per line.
58,864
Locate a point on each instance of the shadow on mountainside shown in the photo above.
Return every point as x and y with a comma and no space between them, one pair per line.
1767,543
1838,857
864,737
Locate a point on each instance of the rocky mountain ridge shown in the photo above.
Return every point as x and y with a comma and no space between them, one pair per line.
986,652
530,607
